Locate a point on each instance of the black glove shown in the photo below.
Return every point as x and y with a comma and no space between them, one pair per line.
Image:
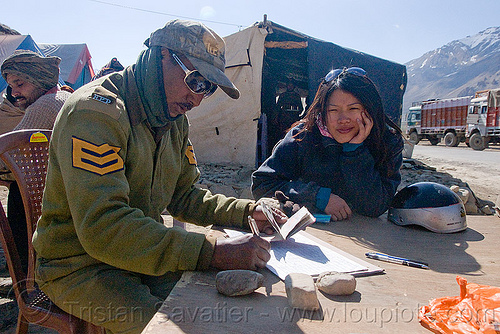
287,206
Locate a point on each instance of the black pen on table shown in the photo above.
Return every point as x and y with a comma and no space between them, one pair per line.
253,226
398,260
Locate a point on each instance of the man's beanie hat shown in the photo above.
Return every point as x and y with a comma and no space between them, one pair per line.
201,45
40,71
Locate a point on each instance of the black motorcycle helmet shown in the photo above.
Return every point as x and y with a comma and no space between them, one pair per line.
429,204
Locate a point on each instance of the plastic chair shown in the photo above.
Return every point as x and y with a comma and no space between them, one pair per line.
25,153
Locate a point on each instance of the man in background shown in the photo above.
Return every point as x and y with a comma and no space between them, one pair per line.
112,66
289,107
34,83
34,91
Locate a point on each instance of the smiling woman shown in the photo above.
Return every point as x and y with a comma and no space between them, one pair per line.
346,118
344,156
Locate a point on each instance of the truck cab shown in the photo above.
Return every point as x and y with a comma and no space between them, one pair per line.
413,122
483,119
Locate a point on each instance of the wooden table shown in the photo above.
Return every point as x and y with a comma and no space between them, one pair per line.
386,303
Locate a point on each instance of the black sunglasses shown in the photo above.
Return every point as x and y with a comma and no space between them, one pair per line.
195,81
333,74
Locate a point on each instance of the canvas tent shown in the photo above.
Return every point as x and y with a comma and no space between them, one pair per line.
259,60
76,65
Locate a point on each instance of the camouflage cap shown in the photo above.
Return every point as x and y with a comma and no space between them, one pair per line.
201,45
40,71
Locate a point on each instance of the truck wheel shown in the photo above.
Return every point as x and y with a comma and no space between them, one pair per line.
476,142
414,138
451,140
434,141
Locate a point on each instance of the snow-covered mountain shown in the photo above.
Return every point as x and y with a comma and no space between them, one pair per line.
459,68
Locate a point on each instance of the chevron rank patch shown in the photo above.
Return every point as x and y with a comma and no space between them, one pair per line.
99,159
190,155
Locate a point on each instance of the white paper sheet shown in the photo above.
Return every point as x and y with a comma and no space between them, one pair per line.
300,254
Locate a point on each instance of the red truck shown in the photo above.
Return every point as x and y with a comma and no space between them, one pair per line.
474,120
436,119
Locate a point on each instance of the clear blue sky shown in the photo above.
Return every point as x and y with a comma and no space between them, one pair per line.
397,30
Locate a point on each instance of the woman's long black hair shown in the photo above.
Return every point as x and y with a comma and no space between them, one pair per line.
366,92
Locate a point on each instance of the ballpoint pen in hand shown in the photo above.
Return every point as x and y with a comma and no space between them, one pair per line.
398,260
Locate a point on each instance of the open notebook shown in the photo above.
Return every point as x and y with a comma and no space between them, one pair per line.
298,221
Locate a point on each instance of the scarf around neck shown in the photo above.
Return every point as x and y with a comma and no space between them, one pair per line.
149,79
322,128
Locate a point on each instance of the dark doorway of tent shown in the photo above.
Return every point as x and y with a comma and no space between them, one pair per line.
284,72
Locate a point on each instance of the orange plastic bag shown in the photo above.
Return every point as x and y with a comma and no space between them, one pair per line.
476,310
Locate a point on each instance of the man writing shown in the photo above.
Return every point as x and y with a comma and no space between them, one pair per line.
119,156
33,83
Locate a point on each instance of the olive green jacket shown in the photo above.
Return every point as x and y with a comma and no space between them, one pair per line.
109,179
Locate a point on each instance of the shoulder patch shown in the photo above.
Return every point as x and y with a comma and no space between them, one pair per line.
190,155
99,159
104,101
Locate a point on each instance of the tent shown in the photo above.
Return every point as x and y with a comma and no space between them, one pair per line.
259,59
11,43
76,65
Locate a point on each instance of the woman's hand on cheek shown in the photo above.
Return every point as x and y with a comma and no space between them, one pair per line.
365,124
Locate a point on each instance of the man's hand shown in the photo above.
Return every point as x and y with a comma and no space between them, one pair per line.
338,208
244,252
262,222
